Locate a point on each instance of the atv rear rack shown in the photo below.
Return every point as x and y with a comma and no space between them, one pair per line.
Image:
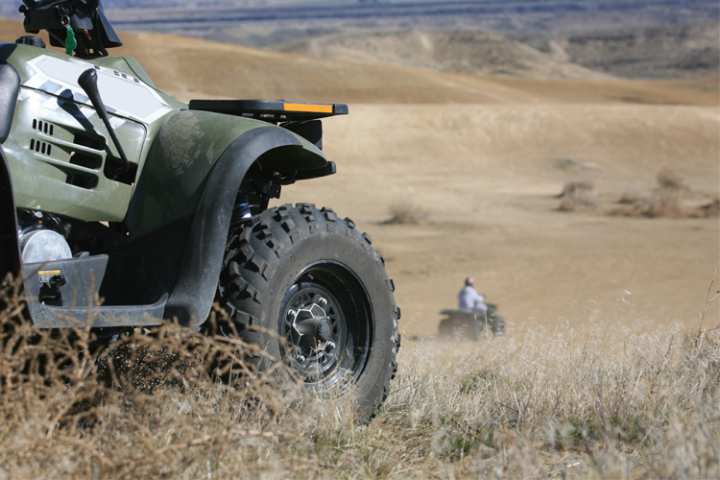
271,111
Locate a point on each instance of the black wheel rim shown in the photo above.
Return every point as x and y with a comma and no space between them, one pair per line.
326,323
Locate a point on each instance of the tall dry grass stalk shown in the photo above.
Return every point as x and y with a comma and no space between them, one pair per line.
545,404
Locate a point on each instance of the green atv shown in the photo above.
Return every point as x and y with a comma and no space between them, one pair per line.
113,189
462,324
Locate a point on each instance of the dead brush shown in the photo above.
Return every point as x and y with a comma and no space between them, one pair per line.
404,213
661,204
668,179
71,404
667,200
577,195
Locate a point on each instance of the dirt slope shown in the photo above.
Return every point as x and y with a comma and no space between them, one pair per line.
466,51
669,50
195,68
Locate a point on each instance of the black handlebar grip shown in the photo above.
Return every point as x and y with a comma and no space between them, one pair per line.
88,82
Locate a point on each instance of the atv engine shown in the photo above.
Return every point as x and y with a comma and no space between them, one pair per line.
41,238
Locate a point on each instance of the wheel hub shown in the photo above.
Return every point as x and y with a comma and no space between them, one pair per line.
312,335
312,321
325,323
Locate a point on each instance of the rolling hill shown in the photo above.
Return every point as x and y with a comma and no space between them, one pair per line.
626,51
465,51
189,68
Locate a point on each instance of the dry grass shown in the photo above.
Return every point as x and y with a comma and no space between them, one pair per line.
670,180
404,213
532,407
668,200
577,195
663,203
671,198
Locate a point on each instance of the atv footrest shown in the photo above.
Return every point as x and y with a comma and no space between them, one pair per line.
45,316
271,111
64,294
74,282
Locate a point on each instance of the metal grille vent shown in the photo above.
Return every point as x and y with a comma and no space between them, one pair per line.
40,147
43,127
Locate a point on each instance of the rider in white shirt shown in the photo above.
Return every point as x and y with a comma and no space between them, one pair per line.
469,299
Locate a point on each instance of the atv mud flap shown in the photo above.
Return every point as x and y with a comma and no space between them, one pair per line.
64,294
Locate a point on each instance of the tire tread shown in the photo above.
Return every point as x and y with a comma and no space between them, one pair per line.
254,248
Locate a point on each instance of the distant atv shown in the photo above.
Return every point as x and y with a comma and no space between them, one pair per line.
461,324
113,189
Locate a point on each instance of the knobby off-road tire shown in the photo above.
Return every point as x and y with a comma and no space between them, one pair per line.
498,326
459,329
309,288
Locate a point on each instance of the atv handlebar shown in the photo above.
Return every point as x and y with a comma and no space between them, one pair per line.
88,81
50,14
69,7
59,16
35,4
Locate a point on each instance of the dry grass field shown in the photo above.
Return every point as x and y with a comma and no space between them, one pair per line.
611,365
546,404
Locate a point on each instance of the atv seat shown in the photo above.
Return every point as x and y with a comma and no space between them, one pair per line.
271,111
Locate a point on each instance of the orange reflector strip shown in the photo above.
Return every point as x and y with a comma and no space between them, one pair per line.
50,273
302,107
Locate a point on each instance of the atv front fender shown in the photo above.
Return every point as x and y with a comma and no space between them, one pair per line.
183,178
186,150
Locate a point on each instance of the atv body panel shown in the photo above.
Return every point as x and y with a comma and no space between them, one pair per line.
189,167
58,149
9,89
56,117
186,149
